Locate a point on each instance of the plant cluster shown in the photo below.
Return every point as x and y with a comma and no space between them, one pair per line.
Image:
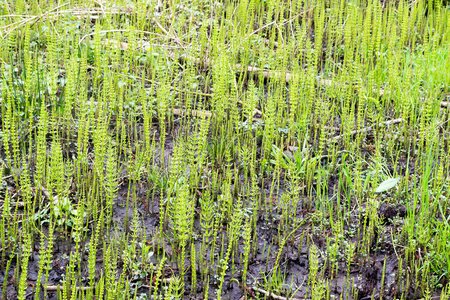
185,149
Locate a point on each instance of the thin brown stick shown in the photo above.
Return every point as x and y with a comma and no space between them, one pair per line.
117,30
195,113
270,74
20,16
165,281
46,193
276,297
370,128
332,128
34,18
49,196
124,46
200,113
381,92
175,38
56,287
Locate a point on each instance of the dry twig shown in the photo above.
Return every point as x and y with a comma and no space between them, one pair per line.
276,297
370,128
195,113
59,287
27,20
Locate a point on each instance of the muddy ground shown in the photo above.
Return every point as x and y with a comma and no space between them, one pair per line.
365,276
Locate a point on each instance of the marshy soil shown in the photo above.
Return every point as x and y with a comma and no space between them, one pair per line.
372,278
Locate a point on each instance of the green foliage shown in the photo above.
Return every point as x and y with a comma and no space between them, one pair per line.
189,147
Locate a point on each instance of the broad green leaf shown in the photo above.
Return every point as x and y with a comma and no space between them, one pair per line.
387,185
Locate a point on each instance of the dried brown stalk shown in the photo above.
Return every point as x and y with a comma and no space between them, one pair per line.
59,287
195,113
276,297
370,128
